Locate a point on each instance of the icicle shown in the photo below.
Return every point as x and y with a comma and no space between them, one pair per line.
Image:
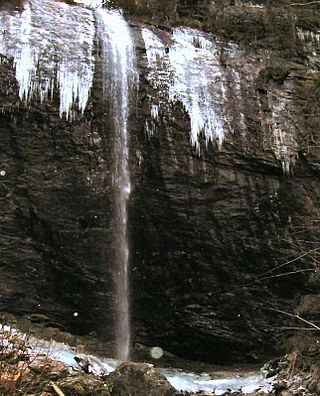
196,83
188,72
46,37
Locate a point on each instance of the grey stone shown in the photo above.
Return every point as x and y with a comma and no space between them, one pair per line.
130,379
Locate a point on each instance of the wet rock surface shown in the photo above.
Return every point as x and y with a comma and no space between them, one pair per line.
207,227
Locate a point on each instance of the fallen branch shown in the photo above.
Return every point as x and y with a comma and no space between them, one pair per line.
57,389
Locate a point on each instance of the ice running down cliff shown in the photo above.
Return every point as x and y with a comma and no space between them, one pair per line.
52,48
51,45
188,72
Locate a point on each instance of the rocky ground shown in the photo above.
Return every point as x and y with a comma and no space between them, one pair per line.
29,367
31,371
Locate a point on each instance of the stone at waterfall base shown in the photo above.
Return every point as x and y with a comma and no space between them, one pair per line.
131,377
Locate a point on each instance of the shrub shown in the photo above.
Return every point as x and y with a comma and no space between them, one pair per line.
19,375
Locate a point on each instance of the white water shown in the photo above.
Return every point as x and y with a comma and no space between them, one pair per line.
119,69
51,44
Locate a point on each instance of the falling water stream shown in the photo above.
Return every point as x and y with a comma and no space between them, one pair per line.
120,74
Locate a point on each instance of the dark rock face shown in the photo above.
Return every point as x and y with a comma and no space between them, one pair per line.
55,213
207,227
130,377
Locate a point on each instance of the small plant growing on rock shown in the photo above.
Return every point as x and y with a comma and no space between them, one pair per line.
108,385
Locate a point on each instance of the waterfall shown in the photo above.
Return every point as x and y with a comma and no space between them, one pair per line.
51,44
119,76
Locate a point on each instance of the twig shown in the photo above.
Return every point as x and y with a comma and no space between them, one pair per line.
290,261
285,274
294,328
56,389
297,5
276,276
297,316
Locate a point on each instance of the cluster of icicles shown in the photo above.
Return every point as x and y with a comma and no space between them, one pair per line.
52,46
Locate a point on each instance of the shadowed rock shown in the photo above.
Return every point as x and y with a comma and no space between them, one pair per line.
132,377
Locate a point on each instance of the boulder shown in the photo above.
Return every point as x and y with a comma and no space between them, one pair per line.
130,377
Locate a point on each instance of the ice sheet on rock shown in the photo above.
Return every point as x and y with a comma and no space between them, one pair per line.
311,45
187,71
92,3
158,61
189,382
15,43
181,381
282,131
306,36
159,76
51,44
197,82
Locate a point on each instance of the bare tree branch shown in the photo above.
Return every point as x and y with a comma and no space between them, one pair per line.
298,5
290,261
276,276
294,328
297,316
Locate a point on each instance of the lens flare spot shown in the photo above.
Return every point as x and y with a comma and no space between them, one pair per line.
156,352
